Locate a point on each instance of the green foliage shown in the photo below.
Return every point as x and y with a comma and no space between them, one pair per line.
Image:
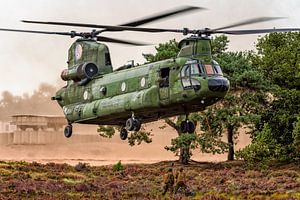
219,45
139,137
135,138
244,102
279,58
276,137
262,151
282,114
296,134
118,167
106,131
182,141
163,51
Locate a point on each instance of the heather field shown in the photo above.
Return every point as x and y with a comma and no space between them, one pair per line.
21,180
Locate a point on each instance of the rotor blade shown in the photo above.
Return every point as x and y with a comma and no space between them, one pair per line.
128,42
162,15
108,27
247,22
73,34
256,31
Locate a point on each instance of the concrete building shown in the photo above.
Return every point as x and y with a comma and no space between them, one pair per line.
7,127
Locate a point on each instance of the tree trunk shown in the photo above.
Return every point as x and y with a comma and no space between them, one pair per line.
230,143
184,156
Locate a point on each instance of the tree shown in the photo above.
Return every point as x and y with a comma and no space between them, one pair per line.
163,51
278,58
206,142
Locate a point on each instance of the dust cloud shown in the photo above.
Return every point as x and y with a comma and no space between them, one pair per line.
96,150
37,103
85,145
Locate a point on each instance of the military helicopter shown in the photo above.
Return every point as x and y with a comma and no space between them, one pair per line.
132,95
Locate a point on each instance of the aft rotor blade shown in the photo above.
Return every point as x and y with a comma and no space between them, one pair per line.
128,42
248,21
108,27
73,34
256,31
161,15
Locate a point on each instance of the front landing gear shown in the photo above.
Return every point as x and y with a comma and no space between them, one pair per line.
132,124
187,126
123,134
68,131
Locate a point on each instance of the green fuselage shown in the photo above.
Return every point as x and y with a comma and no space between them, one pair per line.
163,89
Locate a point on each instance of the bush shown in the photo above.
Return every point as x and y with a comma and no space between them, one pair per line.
262,151
82,167
118,167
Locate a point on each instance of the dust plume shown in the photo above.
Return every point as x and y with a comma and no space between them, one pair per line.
37,103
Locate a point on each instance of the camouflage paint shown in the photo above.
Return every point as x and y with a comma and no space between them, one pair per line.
112,97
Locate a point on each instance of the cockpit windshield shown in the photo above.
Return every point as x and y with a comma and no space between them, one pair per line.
199,69
217,68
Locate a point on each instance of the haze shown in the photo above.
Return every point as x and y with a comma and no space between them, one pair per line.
26,60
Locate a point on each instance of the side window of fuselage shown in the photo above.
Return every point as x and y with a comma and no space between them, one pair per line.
164,77
185,76
107,59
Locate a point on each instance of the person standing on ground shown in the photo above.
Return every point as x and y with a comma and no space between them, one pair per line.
168,181
180,180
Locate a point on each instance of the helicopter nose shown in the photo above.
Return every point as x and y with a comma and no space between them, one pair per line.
219,84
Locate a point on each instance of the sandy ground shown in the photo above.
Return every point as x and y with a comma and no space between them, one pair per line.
102,151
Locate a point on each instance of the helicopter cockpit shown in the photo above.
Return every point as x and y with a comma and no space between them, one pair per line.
194,69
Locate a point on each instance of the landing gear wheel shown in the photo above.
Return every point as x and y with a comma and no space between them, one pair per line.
130,124
191,127
68,131
183,127
133,124
187,126
123,134
137,125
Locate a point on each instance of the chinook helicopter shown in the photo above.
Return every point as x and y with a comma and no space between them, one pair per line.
132,95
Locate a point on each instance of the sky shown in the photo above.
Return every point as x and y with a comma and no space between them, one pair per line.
26,60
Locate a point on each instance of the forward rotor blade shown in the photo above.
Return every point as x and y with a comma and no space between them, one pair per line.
247,22
108,27
256,31
73,34
165,14
128,42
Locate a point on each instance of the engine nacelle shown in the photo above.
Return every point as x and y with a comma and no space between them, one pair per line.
80,72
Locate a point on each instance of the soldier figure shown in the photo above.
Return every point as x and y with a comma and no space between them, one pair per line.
180,181
168,181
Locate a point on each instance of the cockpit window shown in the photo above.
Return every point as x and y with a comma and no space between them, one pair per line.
185,71
209,69
195,69
217,68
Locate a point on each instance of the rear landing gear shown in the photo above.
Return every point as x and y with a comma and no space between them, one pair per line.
68,131
187,126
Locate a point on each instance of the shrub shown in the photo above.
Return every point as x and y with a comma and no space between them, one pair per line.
118,167
82,167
